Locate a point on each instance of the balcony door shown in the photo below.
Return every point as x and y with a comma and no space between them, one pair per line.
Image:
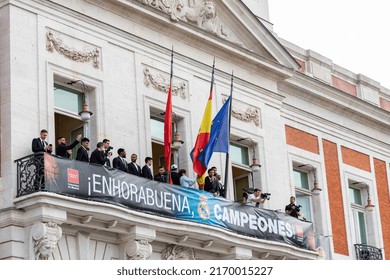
68,103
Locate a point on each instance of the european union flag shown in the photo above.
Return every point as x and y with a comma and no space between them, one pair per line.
219,135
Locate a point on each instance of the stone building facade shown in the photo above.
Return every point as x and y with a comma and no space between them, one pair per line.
319,131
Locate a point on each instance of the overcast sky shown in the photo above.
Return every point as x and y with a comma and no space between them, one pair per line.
354,34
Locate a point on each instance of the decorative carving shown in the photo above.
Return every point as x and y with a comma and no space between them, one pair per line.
200,12
175,252
161,83
56,43
251,114
167,6
45,237
204,15
138,250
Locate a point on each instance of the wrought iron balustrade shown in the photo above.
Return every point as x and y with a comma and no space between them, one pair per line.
366,252
30,174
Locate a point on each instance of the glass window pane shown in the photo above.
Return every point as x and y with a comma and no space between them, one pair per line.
304,201
301,179
362,228
67,99
157,129
239,154
355,196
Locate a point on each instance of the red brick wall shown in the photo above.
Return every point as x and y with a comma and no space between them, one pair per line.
384,202
335,197
385,104
301,139
356,159
344,86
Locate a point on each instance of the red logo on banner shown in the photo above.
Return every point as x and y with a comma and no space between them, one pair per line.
299,231
73,176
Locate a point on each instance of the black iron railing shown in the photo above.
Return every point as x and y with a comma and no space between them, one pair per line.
30,174
366,252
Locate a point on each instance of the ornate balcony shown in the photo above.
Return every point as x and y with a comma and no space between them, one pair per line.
366,252
76,189
30,174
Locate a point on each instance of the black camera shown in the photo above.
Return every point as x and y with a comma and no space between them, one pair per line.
265,196
108,150
294,207
247,192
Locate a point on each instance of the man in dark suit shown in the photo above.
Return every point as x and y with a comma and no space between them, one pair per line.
119,162
82,152
40,144
161,176
62,148
97,155
133,167
146,172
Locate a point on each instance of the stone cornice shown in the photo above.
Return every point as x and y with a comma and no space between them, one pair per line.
317,91
160,21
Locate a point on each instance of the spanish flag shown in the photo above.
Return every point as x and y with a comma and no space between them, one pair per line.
203,136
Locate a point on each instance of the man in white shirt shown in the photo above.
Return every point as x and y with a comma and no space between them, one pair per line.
254,199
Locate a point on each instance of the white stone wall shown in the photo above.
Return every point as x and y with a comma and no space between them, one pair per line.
130,39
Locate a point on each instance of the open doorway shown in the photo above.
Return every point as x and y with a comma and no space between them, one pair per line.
69,128
241,181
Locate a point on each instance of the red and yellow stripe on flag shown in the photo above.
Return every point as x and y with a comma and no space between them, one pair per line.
201,141
203,136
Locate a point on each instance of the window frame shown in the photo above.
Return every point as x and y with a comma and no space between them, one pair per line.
356,210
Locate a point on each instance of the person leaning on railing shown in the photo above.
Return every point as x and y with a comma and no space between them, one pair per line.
185,181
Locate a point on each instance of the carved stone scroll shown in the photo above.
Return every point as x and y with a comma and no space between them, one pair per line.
56,43
138,250
161,82
176,252
45,237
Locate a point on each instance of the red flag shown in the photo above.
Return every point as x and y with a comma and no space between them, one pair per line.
168,126
203,137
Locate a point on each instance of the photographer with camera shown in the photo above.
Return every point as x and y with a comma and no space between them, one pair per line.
255,199
107,151
292,209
